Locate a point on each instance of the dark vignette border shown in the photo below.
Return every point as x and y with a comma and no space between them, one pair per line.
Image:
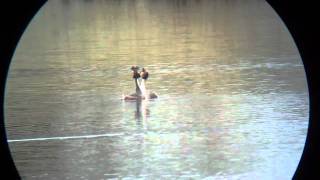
14,18
300,19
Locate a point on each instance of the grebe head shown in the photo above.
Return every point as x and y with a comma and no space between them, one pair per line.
134,68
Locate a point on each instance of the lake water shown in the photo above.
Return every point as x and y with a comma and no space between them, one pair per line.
233,100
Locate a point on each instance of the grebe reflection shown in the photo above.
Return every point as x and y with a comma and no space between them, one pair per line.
142,112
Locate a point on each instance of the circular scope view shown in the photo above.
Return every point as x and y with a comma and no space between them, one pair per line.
149,89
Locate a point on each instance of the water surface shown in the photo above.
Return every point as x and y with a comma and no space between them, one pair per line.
233,101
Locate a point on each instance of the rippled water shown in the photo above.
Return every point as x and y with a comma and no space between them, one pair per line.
233,101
